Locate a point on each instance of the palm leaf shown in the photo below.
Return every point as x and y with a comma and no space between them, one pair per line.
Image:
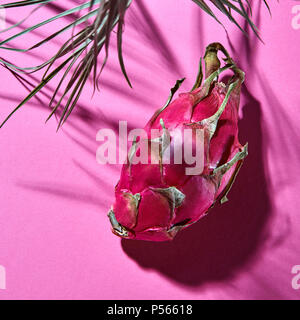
80,52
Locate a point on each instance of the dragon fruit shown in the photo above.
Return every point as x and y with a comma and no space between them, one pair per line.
156,199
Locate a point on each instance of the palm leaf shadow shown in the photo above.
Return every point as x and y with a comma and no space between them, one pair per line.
231,235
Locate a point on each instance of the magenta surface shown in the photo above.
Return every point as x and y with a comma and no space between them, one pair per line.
55,238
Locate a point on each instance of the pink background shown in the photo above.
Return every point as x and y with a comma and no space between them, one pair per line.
55,238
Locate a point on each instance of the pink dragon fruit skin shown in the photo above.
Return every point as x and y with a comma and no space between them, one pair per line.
155,201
